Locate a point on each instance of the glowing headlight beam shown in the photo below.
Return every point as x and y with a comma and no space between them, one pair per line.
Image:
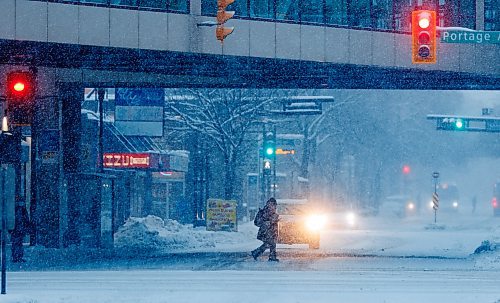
316,222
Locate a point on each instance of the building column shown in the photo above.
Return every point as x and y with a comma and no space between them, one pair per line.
480,15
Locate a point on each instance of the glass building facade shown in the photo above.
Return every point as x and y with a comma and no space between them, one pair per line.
492,15
164,5
368,14
375,14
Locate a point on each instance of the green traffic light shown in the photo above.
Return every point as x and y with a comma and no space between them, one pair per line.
269,150
459,124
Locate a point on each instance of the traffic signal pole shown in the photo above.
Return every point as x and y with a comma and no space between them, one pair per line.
4,229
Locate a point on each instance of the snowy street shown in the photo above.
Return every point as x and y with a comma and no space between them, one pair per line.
373,263
332,280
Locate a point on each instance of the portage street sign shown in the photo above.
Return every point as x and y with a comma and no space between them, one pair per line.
476,37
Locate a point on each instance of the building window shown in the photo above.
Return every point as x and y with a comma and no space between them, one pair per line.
359,14
336,12
262,9
312,11
160,4
92,1
209,7
287,10
129,3
178,5
492,15
382,14
240,8
402,15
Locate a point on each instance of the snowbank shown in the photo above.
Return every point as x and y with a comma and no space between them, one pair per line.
487,255
152,234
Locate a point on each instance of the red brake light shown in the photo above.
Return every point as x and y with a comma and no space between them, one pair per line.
494,202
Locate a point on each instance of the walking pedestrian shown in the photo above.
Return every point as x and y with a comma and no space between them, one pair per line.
21,228
267,220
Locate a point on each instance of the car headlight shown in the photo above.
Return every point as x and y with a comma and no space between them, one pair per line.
455,204
316,222
411,206
351,219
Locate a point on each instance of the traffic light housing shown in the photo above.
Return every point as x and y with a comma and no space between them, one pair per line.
423,28
20,93
453,124
223,16
269,145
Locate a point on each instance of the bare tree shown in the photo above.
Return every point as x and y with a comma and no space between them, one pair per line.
224,116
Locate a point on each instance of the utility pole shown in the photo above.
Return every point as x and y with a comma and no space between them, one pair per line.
100,95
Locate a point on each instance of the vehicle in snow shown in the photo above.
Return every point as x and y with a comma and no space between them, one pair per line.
400,206
449,198
299,223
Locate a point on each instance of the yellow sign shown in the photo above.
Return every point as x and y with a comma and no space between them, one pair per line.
221,215
281,151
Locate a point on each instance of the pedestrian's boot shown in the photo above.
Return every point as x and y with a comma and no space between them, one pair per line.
273,259
255,254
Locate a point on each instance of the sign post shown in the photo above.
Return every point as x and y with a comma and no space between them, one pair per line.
3,169
435,196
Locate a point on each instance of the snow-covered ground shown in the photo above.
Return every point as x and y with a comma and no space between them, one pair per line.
382,260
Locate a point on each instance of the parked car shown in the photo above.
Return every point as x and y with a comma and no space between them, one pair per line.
299,223
496,199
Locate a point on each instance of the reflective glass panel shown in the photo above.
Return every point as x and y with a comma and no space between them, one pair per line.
209,7
336,12
261,8
287,10
359,14
132,3
93,1
382,14
312,11
240,7
178,5
154,3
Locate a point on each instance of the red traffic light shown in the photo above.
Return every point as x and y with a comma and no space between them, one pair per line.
20,92
20,85
423,36
406,169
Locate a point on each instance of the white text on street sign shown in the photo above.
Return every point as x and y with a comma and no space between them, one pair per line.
476,37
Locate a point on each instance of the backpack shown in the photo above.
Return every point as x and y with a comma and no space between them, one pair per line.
259,218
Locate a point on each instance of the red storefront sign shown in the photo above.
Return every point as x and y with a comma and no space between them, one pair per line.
127,160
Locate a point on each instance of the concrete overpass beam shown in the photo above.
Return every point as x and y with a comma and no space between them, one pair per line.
336,45
312,43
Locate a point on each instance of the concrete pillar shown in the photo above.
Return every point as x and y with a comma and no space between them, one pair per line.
480,15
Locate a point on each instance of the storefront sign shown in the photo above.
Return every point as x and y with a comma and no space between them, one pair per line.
221,215
126,160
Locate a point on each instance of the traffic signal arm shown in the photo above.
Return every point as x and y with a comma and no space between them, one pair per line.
466,123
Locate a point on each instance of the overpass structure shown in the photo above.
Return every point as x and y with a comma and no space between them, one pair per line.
73,44
111,45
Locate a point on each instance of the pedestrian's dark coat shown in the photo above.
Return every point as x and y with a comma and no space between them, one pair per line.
268,230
